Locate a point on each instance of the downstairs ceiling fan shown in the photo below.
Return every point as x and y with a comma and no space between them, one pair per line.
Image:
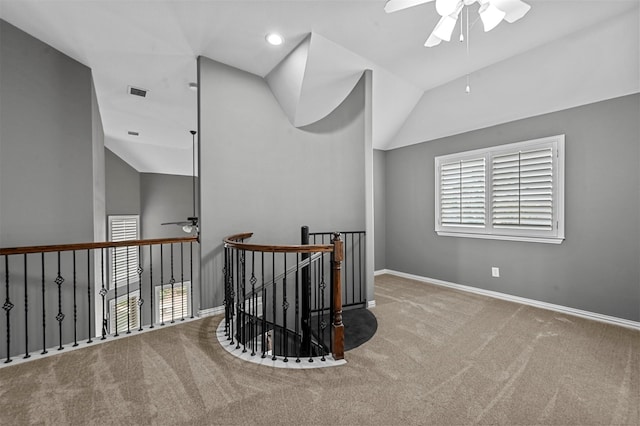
492,12
191,224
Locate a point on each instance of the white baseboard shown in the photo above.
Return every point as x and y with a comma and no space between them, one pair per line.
523,300
371,304
211,311
382,272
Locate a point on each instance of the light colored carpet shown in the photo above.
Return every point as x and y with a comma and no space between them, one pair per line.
439,357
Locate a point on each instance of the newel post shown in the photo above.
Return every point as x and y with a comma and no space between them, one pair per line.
338,327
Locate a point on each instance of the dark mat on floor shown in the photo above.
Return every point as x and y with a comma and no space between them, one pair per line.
359,326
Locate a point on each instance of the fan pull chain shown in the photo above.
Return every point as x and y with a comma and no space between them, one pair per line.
468,88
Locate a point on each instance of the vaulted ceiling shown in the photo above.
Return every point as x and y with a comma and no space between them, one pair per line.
561,54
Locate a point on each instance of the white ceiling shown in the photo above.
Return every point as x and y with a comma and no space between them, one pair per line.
154,45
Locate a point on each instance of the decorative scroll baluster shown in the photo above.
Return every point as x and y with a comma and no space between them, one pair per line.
239,309
115,289
60,317
140,299
90,332
75,305
253,312
7,307
243,277
26,311
128,295
44,318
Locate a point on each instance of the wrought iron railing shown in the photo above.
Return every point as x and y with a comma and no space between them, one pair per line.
59,295
354,291
272,292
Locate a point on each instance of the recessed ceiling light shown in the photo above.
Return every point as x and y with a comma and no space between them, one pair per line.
274,39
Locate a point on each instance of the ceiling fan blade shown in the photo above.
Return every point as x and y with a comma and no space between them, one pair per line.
513,9
432,41
395,5
491,16
447,7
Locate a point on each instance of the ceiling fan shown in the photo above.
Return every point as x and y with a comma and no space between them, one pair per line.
191,224
492,12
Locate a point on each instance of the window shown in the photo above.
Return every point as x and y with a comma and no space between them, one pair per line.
123,260
510,192
123,313
172,306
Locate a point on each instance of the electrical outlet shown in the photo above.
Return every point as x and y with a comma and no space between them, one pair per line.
495,271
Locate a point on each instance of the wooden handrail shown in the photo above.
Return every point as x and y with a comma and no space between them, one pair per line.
96,245
232,241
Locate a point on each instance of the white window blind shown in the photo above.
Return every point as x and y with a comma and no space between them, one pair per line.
124,260
512,192
173,305
123,313
462,192
522,189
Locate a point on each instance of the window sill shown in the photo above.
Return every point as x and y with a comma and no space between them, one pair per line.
545,240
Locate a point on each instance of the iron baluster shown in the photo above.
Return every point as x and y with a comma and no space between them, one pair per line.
75,306
191,276
161,286
181,280
7,307
103,293
26,311
297,309
264,314
140,299
253,297
151,286
353,270
60,317
115,288
285,307
243,276
90,333
322,325
360,265
128,296
44,318
273,306
172,282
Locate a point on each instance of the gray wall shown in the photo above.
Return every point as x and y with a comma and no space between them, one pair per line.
261,174
380,208
46,172
51,180
122,186
596,268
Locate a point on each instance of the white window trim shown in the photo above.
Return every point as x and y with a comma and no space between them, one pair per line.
555,236
135,280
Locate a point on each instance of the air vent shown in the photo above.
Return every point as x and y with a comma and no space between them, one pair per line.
133,133
136,91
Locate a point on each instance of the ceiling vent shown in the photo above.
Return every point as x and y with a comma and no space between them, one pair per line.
136,91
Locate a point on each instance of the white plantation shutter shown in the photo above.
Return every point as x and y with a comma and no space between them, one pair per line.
522,189
172,305
462,192
511,192
125,305
124,260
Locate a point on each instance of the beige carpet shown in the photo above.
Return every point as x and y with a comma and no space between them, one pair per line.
439,357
